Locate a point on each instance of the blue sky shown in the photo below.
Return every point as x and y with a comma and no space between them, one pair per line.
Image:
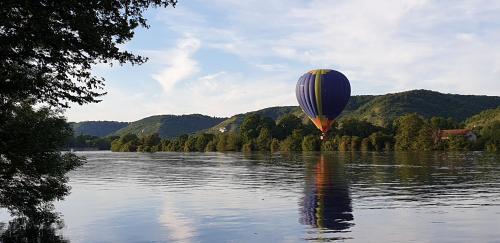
223,57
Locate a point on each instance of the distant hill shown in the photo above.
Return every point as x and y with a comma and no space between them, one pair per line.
232,123
382,109
97,128
170,125
484,118
378,109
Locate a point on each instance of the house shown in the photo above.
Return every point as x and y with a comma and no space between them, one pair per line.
466,133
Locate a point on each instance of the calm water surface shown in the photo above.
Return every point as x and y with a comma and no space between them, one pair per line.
351,197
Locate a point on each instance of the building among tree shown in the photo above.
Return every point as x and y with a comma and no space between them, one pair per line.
466,133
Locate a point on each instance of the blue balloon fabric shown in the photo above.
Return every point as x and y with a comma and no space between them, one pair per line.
323,94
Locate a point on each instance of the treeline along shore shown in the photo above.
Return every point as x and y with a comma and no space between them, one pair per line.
409,132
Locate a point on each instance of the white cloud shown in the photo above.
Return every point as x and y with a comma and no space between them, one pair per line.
269,67
389,45
180,63
226,94
221,94
381,46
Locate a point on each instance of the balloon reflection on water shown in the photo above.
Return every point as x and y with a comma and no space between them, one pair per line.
326,203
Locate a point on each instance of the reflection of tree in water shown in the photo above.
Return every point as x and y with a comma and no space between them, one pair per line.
326,202
24,230
33,174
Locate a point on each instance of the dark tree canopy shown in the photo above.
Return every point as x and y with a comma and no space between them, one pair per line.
33,171
47,47
47,50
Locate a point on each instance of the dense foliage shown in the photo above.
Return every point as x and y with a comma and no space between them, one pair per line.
33,171
88,142
47,50
484,118
168,126
97,128
410,132
380,110
383,109
47,47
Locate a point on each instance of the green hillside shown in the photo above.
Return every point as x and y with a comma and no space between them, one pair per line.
484,118
170,125
378,109
382,109
97,128
232,123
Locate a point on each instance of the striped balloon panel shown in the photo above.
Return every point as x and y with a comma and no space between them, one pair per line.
323,94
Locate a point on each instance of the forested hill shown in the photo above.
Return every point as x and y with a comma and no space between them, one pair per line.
232,123
377,109
170,125
97,128
484,118
382,109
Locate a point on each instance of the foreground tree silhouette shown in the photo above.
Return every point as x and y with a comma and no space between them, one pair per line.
33,174
47,49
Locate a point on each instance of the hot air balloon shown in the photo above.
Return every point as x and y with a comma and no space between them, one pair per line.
323,94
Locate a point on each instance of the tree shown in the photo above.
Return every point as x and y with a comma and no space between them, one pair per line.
275,145
292,142
221,142
355,127
328,145
345,143
443,123
264,139
366,144
48,47
355,143
311,143
490,136
233,142
425,138
190,144
165,144
32,169
178,143
202,140
253,124
151,140
379,140
149,143
126,143
211,147
408,127
248,147
249,128
286,125
268,123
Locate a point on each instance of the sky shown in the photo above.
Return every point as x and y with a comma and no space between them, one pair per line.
225,57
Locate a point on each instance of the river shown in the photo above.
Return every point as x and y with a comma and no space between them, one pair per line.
315,197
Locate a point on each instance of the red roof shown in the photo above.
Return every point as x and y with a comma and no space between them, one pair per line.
447,133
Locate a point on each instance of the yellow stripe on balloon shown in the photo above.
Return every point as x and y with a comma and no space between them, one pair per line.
317,89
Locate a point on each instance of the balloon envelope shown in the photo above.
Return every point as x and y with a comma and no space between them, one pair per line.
323,94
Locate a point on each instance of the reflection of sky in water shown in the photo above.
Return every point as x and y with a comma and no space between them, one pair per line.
235,198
